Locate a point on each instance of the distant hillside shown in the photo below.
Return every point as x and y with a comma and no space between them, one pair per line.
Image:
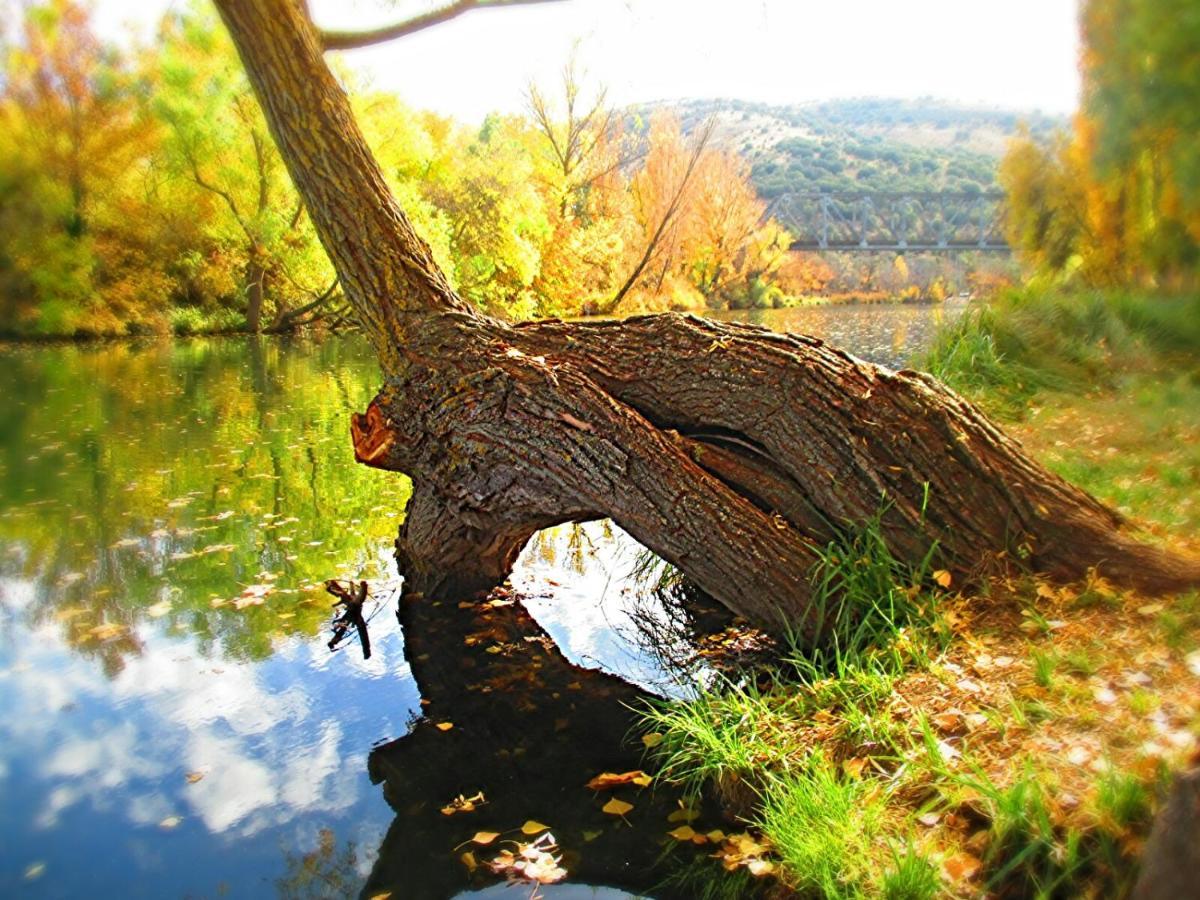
862,144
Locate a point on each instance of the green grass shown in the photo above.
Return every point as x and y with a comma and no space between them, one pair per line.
865,605
745,736
823,827
1027,341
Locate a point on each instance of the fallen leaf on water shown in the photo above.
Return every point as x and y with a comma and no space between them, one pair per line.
589,836
461,804
193,777
652,740
170,822
684,814
468,860
535,861
606,780
716,835
683,833
533,826
615,807
107,630
444,726
485,837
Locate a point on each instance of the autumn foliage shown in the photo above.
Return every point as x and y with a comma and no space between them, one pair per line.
140,192
1117,200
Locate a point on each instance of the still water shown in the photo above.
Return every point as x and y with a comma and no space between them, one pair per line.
172,722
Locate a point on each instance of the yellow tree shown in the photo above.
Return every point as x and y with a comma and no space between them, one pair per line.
74,152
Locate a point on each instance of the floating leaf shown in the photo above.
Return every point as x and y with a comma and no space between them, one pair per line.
461,804
533,827
684,814
615,807
589,836
683,833
485,837
468,860
608,780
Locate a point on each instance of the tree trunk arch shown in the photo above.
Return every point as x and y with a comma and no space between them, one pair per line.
730,451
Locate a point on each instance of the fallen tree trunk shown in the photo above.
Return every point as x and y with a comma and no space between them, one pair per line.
728,450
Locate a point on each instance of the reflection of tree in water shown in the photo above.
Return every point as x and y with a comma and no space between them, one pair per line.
528,729
328,871
572,541
155,483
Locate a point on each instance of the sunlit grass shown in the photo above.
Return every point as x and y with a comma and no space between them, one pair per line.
1028,341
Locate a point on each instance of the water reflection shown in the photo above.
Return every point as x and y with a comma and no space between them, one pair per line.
886,333
171,721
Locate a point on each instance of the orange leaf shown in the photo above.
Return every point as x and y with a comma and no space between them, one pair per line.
606,780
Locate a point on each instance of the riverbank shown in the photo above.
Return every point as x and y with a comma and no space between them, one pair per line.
1010,737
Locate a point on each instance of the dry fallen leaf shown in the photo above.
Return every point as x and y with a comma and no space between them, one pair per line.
854,767
606,780
461,804
943,578
961,866
615,807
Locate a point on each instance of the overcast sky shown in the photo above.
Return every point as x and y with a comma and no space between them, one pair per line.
1019,54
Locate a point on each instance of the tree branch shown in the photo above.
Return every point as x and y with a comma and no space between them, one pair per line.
350,40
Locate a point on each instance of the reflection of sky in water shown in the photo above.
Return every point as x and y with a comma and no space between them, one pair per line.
144,490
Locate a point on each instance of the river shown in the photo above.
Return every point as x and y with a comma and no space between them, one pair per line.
172,722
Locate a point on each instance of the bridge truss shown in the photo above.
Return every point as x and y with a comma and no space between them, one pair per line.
852,222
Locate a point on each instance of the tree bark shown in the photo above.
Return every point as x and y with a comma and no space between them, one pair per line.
727,450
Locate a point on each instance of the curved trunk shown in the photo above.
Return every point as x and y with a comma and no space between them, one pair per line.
728,450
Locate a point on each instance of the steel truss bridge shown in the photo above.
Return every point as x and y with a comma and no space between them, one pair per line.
907,221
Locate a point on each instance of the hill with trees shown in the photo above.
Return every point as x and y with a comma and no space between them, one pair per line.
863,144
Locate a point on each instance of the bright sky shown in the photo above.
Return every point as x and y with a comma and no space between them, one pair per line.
1019,54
